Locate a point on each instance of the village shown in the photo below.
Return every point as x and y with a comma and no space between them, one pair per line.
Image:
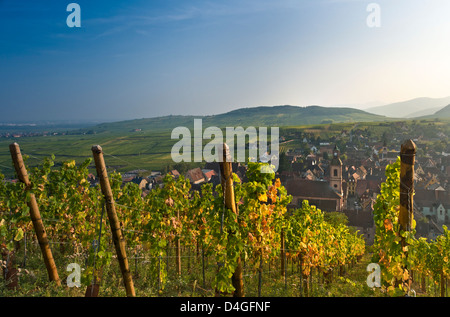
344,175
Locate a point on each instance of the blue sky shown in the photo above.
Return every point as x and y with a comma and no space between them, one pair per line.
135,59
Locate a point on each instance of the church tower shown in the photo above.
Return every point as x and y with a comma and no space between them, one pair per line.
336,172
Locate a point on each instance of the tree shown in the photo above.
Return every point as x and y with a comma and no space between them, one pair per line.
336,218
285,164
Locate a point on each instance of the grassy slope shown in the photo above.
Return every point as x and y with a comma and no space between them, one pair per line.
129,151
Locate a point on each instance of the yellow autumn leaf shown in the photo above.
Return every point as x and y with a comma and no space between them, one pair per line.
263,197
277,183
405,275
388,225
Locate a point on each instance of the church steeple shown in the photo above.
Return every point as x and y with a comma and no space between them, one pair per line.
336,160
336,171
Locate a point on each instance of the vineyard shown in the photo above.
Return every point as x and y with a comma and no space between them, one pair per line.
237,239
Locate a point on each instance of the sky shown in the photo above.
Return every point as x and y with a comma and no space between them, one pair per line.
137,59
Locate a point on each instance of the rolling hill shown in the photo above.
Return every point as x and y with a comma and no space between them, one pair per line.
256,116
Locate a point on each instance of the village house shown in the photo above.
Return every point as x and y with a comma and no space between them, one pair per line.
175,174
326,195
434,204
208,174
318,193
141,182
326,148
195,176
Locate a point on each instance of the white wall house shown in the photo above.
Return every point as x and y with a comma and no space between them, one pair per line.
438,211
443,213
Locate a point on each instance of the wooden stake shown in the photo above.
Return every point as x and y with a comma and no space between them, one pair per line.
407,157
35,215
119,241
283,255
226,172
406,214
178,251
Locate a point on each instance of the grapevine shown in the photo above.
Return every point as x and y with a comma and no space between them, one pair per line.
74,215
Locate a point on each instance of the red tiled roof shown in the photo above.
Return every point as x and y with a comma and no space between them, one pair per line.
195,175
311,189
210,174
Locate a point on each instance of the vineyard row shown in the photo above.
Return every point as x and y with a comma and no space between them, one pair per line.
256,227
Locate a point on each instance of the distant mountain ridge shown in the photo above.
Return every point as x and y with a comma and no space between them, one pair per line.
443,113
255,116
411,108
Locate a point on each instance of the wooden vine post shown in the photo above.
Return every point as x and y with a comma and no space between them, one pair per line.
178,250
35,215
406,214
226,172
283,255
119,241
